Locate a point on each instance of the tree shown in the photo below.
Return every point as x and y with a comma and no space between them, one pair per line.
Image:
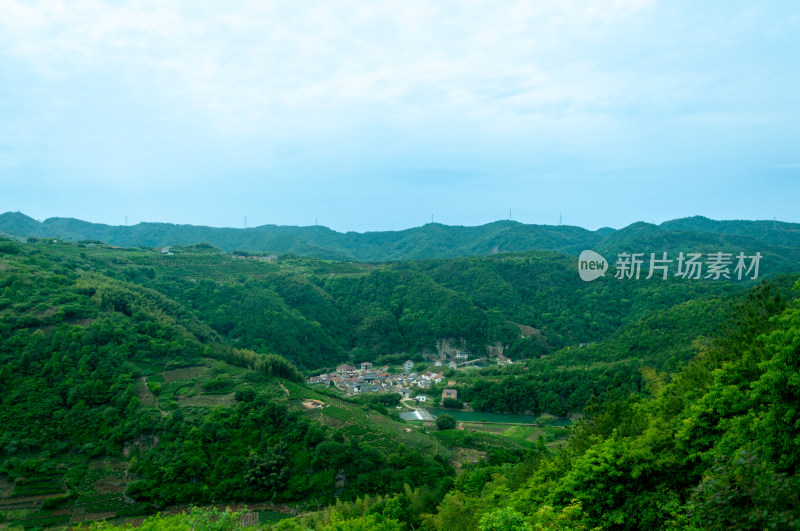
504,520
454,513
371,522
269,471
452,403
445,422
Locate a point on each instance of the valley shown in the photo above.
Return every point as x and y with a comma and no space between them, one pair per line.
143,380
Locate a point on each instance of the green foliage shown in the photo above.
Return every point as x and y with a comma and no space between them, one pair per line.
246,394
432,240
680,429
452,403
454,513
445,422
269,472
88,383
8,247
154,387
404,510
714,448
743,491
504,520
197,519
372,522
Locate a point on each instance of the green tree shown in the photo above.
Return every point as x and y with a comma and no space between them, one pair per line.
371,522
454,513
452,403
445,422
506,519
270,471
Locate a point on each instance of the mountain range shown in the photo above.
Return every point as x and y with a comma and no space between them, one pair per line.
134,379
778,240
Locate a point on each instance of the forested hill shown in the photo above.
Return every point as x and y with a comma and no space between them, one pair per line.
108,386
432,240
319,313
133,379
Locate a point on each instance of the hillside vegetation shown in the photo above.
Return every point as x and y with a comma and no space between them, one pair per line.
110,388
134,379
779,240
714,448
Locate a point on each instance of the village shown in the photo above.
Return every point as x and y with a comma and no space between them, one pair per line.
403,380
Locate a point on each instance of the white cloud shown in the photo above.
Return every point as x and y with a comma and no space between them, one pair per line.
254,63
172,94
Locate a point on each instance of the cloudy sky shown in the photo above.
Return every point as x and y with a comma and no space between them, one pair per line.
375,115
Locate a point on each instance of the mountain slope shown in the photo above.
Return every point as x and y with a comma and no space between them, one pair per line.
775,232
433,240
429,241
116,399
164,376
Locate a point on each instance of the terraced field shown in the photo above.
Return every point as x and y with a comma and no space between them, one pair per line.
365,425
217,267
207,400
184,373
44,501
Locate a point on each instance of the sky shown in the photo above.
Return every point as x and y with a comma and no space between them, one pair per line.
385,115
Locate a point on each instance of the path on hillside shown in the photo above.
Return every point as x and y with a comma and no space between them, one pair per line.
147,398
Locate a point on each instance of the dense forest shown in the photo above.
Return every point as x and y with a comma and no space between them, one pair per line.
88,371
714,446
133,380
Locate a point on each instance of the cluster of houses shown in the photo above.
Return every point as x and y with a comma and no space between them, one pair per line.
369,379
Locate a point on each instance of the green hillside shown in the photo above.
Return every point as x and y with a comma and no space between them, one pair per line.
117,400
780,254
318,313
715,446
429,241
779,240
774,232
134,379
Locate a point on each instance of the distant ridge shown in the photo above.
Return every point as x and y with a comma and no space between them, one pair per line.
432,240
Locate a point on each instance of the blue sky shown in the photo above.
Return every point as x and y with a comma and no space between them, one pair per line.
378,115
